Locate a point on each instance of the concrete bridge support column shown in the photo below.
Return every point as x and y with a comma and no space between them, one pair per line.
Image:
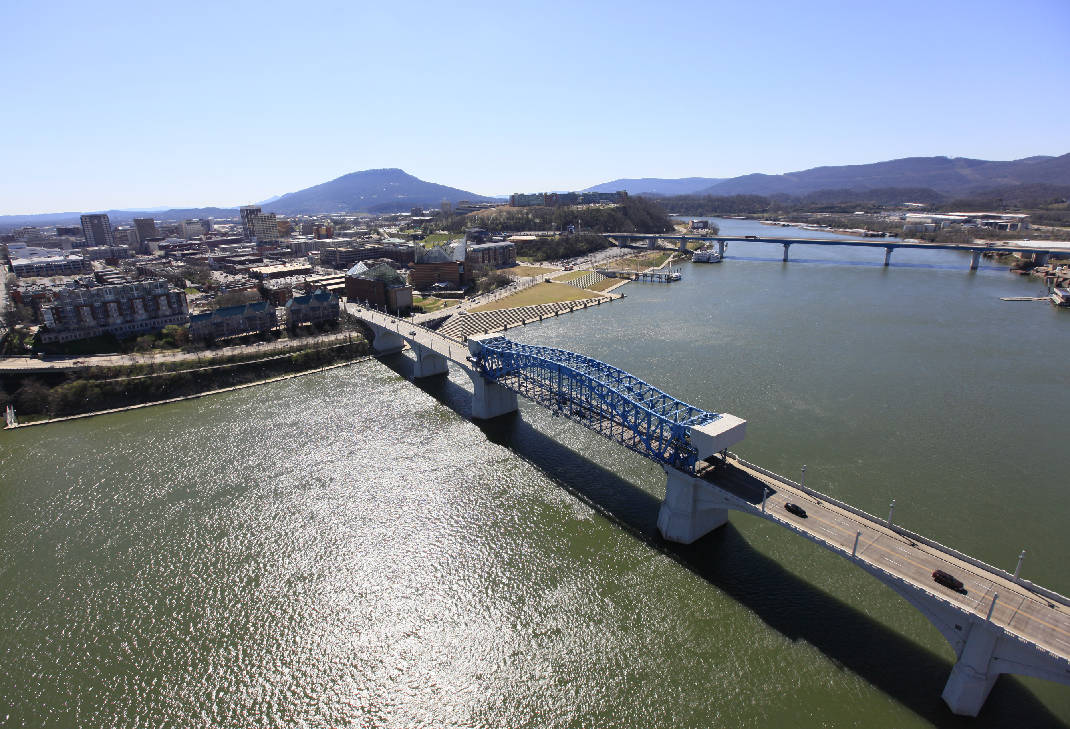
1041,259
683,245
720,248
975,260
972,676
489,399
651,242
888,256
386,341
428,363
691,508
786,247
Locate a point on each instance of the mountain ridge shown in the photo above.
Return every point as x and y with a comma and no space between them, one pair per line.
947,175
382,190
657,185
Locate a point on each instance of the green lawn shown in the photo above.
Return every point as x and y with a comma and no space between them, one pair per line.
544,293
571,275
438,238
604,284
521,271
432,303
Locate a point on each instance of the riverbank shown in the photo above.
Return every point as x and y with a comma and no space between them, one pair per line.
194,396
115,389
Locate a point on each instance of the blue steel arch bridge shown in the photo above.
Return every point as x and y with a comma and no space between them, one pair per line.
604,398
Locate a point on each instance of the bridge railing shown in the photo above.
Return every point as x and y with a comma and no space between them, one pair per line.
913,536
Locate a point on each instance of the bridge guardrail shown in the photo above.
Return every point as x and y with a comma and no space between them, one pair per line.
1031,587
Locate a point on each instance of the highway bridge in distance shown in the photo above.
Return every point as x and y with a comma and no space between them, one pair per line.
1040,252
996,623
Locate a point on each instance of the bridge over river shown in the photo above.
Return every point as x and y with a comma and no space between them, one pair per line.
996,623
1040,252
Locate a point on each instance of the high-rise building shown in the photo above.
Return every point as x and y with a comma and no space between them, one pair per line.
258,226
97,230
146,228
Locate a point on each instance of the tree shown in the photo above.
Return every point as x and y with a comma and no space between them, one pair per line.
32,397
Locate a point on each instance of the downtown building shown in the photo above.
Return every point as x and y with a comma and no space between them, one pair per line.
125,310
97,230
257,226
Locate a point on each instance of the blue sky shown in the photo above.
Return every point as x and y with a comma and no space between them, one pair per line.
112,105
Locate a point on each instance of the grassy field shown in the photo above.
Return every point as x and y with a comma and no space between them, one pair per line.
438,238
520,271
571,275
544,293
432,303
603,285
641,261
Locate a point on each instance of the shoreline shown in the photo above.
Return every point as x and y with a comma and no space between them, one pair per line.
232,388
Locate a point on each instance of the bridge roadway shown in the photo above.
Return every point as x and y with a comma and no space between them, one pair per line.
1022,612
998,623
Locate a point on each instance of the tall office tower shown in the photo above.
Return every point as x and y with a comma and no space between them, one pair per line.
97,230
146,228
258,226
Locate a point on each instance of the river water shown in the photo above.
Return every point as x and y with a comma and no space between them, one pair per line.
348,549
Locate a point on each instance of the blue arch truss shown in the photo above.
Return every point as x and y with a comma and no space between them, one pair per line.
604,398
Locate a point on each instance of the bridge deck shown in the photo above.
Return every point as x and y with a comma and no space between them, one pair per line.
1018,610
414,333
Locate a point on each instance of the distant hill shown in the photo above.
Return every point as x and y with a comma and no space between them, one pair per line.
372,191
946,175
116,217
657,185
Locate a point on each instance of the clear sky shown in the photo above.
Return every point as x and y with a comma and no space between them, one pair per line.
122,105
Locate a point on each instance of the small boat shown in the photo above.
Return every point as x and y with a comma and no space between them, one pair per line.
674,276
706,255
1060,297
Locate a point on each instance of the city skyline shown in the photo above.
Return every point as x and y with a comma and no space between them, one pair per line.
497,100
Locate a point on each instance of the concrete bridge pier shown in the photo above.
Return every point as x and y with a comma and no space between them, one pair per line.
386,341
972,676
1041,259
683,245
786,247
692,508
651,242
888,256
720,248
428,363
489,399
975,260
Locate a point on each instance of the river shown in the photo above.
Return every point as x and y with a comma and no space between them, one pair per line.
348,549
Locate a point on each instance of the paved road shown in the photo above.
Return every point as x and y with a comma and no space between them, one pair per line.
1022,612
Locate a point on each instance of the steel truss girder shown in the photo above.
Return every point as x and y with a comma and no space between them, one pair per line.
604,398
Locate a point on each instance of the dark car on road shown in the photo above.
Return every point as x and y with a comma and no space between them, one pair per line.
947,580
795,509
